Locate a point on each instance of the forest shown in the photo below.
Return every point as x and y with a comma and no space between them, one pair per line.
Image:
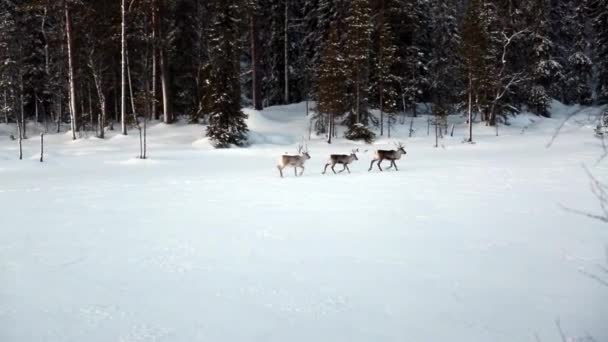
89,66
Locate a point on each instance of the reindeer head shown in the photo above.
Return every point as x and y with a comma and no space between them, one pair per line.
400,147
303,150
354,154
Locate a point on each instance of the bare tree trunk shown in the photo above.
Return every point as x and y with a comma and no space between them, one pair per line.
331,128
164,77
47,68
96,71
116,103
154,54
20,133
404,106
83,124
131,96
41,147
256,94
5,107
141,142
123,70
286,56
59,113
470,108
381,113
22,107
72,86
411,126
358,99
145,137
437,134
146,76
165,88
93,127
36,112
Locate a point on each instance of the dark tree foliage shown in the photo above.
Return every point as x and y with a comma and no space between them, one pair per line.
185,62
227,120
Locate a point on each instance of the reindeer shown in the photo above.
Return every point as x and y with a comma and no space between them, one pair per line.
343,159
295,161
391,155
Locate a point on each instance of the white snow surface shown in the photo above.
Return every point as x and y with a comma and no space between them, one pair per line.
464,243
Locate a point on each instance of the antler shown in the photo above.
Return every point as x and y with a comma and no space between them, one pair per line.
300,148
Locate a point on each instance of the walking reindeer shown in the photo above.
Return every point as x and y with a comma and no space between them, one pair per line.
343,159
390,155
296,161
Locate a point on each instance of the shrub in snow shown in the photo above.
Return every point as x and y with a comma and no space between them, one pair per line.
539,101
360,132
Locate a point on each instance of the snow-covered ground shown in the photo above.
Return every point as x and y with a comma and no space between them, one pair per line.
464,243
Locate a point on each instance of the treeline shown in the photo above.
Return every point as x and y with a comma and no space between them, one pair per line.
93,64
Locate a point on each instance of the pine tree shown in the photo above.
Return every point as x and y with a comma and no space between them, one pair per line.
571,40
387,83
227,121
473,48
546,70
9,59
359,29
331,100
408,20
445,85
599,10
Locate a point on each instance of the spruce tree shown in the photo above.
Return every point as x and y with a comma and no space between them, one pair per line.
387,81
227,121
445,85
359,29
330,96
546,70
570,37
599,10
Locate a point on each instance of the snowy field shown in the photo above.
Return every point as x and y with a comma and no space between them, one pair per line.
464,243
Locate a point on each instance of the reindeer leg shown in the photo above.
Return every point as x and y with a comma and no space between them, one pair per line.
280,171
301,173
379,162
332,168
390,167
396,168
343,169
346,167
325,170
295,170
371,165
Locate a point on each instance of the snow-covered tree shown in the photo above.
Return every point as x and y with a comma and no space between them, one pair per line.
444,66
227,121
331,101
386,84
599,10
574,48
358,30
546,71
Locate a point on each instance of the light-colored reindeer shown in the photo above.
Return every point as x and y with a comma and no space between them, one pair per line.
343,159
295,161
391,155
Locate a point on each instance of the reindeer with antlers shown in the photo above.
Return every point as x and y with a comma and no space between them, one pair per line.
296,161
343,159
391,155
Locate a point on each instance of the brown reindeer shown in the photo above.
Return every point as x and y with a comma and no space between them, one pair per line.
295,161
391,155
343,159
